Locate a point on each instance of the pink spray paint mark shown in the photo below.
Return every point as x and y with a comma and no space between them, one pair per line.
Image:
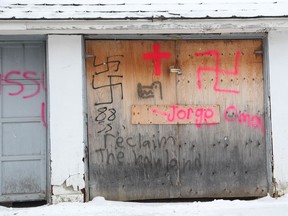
201,115
180,114
26,76
217,70
231,110
156,55
43,111
13,82
160,112
232,114
0,84
31,76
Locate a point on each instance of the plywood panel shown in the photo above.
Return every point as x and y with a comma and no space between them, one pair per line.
227,159
175,114
128,161
135,153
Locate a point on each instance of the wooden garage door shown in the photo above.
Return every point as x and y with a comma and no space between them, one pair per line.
175,119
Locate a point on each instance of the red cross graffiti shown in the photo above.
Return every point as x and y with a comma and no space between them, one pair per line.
156,55
217,70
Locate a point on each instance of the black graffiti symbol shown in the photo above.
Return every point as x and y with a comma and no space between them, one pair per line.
109,64
148,91
113,114
110,87
101,117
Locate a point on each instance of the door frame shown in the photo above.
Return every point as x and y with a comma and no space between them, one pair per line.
241,36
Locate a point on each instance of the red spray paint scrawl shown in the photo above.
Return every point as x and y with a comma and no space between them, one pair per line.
156,55
217,70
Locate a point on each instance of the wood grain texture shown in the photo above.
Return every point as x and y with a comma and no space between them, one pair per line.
175,114
156,160
128,162
227,159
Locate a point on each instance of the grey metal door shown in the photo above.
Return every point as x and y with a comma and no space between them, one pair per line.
22,122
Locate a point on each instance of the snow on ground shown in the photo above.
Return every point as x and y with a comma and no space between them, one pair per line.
266,206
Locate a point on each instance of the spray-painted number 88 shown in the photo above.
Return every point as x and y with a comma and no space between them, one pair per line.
104,115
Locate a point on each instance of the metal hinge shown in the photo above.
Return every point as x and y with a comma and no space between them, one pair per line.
89,56
258,52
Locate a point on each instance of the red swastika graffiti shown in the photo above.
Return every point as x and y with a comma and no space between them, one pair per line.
156,55
217,70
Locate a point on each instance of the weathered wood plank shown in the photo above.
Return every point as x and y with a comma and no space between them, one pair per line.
135,153
223,160
128,162
176,114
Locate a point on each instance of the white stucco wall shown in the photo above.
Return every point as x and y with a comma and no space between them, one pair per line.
278,61
65,78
